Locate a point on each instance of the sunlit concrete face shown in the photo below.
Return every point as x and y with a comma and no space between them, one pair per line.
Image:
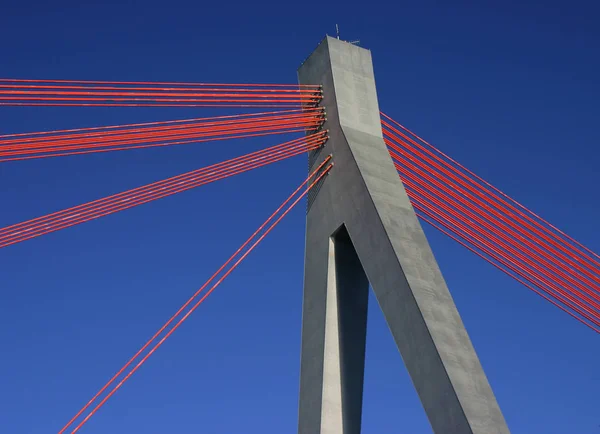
361,228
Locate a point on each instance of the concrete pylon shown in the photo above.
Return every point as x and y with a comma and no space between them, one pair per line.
361,228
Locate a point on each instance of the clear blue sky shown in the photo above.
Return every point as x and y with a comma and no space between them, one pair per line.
510,90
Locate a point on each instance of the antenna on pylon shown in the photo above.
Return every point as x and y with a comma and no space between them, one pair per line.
337,35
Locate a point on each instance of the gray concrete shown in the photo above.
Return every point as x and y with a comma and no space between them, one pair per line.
362,215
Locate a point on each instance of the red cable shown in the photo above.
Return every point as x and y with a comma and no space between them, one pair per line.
504,259
497,237
516,253
126,135
503,195
17,94
495,264
92,215
174,179
25,89
505,211
15,233
172,127
157,83
145,104
136,355
158,126
498,207
161,100
214,118
413,151
532,271
451,192
213,169
105,209
192,134
127,148
195,306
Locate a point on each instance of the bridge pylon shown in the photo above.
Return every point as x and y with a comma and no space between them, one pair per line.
361,229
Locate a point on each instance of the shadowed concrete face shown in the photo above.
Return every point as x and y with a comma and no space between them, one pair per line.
361,225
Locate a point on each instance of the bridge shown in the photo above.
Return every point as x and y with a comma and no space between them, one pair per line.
372,182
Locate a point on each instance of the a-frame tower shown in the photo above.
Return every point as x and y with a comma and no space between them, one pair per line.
361,228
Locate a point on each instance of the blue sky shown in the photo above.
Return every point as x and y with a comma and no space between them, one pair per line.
510,90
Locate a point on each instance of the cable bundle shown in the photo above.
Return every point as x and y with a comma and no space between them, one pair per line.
98,208
19,92
496,227
192,304
156,134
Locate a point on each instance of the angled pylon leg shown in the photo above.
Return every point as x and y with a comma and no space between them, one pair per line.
361,219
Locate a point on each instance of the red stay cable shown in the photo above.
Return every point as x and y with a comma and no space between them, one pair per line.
522,279
257,155
145,104
156,83
569,255
540,255
506,243
126,135
158,98
153,145
35,94
195,306
544,225
499,240
86,212
25,89
190,135
506,260
531,269
124,204
166,129
146,124
42,137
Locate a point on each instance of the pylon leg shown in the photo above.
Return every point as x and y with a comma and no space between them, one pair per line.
335,327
